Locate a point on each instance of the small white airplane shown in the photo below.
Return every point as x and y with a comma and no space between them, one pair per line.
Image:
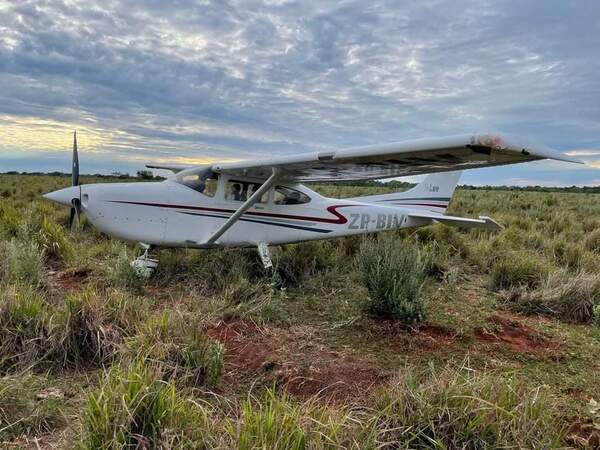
261,202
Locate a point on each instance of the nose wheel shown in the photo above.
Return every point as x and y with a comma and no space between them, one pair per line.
144,265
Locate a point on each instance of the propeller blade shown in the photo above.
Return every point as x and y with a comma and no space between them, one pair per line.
75,173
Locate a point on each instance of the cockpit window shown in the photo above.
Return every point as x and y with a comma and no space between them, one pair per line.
203,181
287,196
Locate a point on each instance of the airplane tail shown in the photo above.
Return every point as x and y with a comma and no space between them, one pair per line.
432,194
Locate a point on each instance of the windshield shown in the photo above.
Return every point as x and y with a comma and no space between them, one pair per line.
204,181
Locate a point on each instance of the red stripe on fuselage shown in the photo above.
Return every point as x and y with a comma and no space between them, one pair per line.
340,219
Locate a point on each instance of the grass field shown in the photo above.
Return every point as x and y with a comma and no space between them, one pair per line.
214,353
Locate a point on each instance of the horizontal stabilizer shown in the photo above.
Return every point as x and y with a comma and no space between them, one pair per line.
462,222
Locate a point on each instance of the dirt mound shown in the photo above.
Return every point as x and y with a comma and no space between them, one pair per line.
245,343
294,358
332,379
515,335
72,279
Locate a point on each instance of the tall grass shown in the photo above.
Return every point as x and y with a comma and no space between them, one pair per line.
566,296
25,409
517,269
183,350
52,241
462,409
85,330
134,408
24,264
394,273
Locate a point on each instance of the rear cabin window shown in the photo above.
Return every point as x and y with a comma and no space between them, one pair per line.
240,191
287,196
205,183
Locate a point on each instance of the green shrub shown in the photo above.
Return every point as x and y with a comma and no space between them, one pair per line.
394,273
514,269
26,408
53,243
25,264
122,275
568,297
299,263
462,409
134,408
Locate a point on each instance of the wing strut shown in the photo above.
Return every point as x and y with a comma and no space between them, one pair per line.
254,198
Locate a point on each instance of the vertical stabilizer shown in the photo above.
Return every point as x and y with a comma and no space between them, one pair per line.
433,193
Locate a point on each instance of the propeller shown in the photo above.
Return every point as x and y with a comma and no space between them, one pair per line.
76,201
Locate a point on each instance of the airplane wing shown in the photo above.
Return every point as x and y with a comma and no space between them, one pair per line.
172,167
397,159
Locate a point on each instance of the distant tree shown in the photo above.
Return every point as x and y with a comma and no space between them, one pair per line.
145,174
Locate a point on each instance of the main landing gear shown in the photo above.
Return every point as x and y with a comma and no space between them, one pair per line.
144,265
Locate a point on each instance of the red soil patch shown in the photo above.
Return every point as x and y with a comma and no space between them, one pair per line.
515,335
334,379
244,342
72,279
293,358
583,434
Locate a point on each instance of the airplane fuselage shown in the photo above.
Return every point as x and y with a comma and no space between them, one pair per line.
169,214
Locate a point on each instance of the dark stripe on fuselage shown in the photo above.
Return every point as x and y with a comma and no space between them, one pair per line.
420,204
340,219
296,227
442,199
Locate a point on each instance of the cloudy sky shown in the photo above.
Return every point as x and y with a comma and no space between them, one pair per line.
197,81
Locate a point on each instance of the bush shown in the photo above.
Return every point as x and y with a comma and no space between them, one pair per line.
394,273
25,264
461,409
122,275
26,409
298,263
567,297
517,269
134,408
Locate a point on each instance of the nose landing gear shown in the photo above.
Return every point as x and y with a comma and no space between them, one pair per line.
144,265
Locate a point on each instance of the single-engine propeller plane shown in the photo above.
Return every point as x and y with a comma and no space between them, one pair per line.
261,202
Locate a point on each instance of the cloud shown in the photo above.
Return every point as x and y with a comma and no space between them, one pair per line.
150,80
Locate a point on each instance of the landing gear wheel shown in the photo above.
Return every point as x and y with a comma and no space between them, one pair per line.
144,265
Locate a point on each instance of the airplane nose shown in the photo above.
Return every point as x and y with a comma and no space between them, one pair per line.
64,196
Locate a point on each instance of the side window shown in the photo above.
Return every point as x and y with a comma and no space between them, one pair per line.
287,196
240,191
